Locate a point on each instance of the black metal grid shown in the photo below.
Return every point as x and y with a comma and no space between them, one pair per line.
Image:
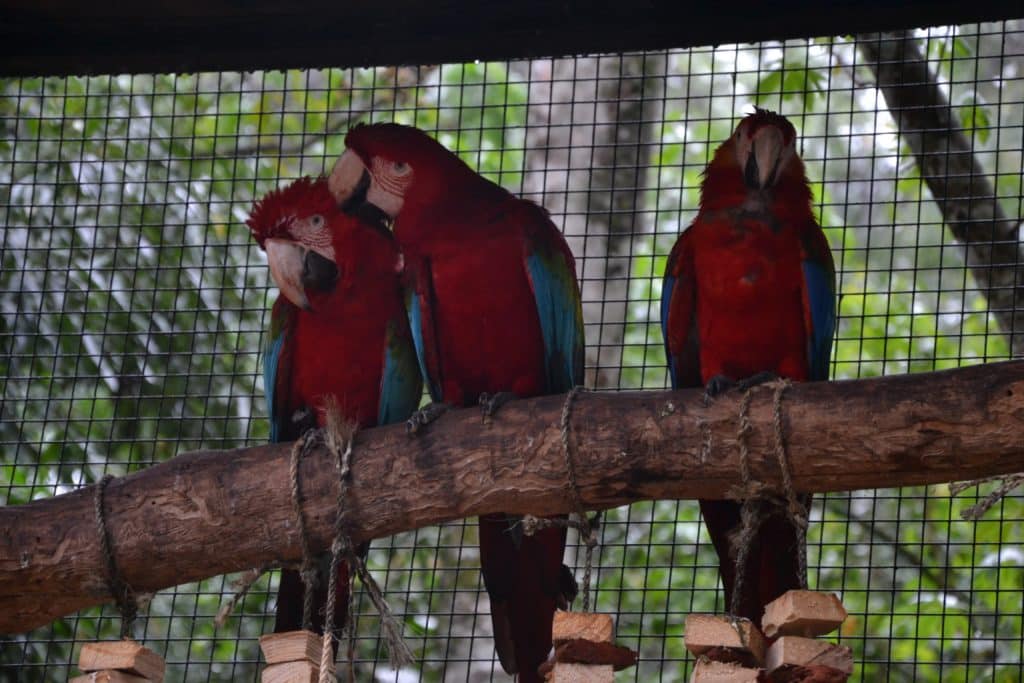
133,302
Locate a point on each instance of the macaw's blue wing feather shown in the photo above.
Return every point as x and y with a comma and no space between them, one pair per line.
679,320
401,385
419,300
557,295
277,360
820,299
668,287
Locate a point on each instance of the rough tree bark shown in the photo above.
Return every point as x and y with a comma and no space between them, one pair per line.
203,514
956,180
589,146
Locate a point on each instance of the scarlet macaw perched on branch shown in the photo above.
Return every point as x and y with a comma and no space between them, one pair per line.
338,330
748,294
495,311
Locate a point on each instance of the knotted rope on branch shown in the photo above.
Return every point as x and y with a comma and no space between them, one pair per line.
125,598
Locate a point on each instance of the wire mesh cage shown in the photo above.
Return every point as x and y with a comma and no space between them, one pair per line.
134,304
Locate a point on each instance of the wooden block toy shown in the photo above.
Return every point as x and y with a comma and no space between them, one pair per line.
737,637
789,653
126,656
109,676
581,626
302,671
291,646
803,613
708,671
589,652
563,672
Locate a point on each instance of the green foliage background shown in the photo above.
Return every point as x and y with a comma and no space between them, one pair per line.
133,304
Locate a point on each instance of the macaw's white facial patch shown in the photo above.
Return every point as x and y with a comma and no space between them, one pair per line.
313,233
389,182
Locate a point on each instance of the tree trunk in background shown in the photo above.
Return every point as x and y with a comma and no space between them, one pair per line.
589,145
959,185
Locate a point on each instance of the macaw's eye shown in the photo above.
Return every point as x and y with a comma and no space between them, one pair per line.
400,167
317,221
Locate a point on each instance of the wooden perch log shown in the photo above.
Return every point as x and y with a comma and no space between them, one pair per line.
208,513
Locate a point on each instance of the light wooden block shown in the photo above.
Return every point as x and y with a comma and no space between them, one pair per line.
705,632
124,655
803,613
581,673
109,676
291,672
707,671
799,651
291,646
581,626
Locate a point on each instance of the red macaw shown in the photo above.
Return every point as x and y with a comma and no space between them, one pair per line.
495,310
749,293
338,329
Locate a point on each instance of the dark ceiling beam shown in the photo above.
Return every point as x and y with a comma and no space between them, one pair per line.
66,37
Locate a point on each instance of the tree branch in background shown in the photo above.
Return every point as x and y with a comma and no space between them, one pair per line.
589,144
209,513
958,184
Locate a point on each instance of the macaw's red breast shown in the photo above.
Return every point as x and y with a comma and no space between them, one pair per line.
749,306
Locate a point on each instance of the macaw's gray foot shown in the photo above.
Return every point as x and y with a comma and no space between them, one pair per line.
489,403
424,416
763,377
716,386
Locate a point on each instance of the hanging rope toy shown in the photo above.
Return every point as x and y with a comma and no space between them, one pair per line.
126,600
758,499
338,438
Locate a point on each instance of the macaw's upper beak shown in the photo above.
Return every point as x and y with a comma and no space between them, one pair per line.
349,181
296,269
762,167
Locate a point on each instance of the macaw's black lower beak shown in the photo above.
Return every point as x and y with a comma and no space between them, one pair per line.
318,272
751,175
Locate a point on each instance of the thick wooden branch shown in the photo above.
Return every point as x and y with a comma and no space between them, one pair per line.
207,513
960,186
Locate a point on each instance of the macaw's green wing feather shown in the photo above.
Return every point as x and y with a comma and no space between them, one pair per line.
552,273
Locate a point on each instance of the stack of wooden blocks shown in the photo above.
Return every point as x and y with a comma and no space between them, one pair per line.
119,661
732,650
584,649
292,657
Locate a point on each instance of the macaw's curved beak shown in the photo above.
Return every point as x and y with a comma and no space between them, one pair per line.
356,192
762,167
296,269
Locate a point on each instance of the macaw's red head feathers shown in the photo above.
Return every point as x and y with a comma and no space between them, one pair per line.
289,208
758,160
311,244
392,166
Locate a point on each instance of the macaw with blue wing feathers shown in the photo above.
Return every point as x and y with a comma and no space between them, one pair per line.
749,293
495,311
338,331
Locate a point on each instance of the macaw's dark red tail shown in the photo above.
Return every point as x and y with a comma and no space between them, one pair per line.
290,594
772,565
526,581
